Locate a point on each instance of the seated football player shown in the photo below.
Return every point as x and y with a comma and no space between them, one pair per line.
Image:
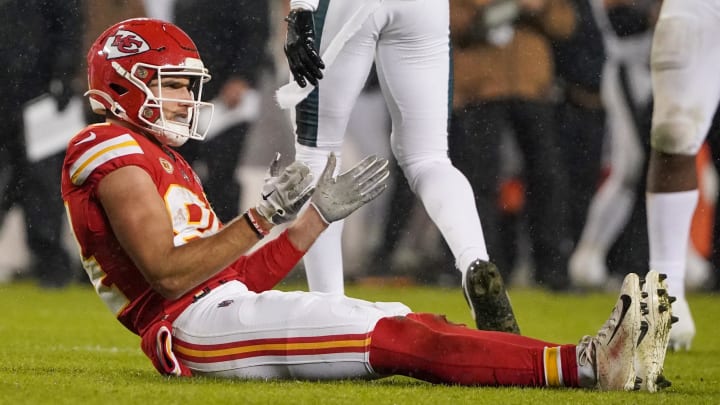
201,298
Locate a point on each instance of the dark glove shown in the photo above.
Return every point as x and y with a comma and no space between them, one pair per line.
302,55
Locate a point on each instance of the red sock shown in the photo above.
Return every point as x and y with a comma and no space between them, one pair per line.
429,348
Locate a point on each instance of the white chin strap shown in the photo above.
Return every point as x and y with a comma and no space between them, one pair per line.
171,133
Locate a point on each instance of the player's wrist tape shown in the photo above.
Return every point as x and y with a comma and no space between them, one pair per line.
255,224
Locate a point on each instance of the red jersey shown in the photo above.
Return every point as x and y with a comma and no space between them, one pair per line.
97,151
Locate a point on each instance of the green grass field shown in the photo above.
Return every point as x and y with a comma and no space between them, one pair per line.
65,347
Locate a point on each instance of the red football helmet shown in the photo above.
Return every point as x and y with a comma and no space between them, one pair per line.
131,53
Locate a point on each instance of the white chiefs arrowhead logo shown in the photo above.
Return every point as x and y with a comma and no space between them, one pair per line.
124,43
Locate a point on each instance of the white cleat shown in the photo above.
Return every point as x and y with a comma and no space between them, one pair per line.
612,351
587,269
655,332
683,331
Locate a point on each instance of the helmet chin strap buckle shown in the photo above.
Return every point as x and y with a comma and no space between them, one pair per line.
170,133
99,107
118,110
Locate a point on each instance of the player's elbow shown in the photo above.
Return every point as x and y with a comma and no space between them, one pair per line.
163,277
170,288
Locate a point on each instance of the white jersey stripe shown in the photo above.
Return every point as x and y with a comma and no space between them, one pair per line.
253,367
101,153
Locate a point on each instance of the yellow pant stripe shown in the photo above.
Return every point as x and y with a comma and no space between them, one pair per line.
553,367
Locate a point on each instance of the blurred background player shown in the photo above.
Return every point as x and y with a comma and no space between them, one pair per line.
615,229
579,62
40,50
686,90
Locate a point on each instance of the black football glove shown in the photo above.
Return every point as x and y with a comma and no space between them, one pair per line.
302,55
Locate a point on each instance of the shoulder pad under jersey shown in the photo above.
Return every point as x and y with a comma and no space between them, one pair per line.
98,145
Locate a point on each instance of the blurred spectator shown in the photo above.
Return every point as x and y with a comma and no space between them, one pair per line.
686,93
579,61
504,74
232,37
40,46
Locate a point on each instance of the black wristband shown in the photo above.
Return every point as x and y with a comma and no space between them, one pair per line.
252,225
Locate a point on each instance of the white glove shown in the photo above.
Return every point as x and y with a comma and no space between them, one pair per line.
337,197
283,194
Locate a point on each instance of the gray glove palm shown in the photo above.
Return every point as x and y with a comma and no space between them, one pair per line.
283,194
337,197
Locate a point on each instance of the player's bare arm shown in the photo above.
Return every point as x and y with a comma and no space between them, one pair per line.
306,229
141,223
142,226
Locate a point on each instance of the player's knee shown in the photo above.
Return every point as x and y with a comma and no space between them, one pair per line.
405,334
677,136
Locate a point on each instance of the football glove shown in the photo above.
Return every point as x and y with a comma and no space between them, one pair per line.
285,191
302,55
337,197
